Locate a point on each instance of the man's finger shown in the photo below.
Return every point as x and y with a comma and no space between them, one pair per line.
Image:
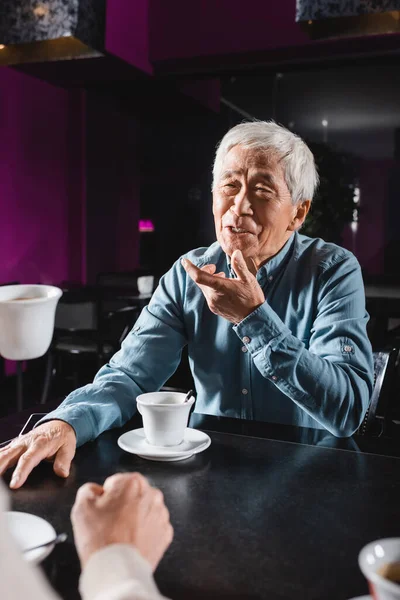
9,457
239,265
63,459
89,491
27,462
143,482
125,482
200,277
209,269
220,274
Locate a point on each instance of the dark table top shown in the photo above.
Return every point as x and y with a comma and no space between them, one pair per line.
254,517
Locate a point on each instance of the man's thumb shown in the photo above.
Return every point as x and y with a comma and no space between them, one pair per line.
239,265
63,459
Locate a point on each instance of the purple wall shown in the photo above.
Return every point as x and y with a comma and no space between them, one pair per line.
41,182
127,32
35,180
209,34
183,29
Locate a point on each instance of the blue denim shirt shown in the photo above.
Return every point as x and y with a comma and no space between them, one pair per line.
303,357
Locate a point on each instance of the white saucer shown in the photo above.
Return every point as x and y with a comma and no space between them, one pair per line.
194,441
29,531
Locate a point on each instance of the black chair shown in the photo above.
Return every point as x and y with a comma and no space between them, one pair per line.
85,336
376,417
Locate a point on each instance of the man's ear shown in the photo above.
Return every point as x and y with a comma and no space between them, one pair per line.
301,211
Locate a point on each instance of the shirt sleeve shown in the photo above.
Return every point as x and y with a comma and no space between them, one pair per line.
118,572
331,379
148,357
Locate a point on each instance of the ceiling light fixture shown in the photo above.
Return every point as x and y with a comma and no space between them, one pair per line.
47,31
327,19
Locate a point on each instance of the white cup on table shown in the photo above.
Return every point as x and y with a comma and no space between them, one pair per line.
379,562
165,416
27,315
145,284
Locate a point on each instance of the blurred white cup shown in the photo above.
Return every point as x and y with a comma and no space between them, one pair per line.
145,284
165,416
374,560
27,320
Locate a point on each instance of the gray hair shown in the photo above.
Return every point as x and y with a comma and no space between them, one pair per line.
299,166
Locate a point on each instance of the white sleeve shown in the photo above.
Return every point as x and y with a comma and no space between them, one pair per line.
18,578
118,572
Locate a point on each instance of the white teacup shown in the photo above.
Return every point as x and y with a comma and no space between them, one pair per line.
373,561
27,320
145,284
165,416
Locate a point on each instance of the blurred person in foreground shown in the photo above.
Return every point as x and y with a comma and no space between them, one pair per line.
121,532
275,321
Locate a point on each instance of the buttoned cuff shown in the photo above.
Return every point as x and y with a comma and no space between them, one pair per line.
116,566
260,329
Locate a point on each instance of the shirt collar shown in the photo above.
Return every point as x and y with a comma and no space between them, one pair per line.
271,268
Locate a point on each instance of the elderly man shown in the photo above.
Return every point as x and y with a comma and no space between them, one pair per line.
275,322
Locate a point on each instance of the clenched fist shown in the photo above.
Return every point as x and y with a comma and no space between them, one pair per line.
125,510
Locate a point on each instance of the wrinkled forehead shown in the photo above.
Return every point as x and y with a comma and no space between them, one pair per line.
243,160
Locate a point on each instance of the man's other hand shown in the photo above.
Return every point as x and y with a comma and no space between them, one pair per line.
125,510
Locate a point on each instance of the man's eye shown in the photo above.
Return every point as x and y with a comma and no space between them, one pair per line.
263,190
230,188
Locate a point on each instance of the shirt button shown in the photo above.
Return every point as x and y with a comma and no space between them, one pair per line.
244,391
244,349
246,340
274,378
348,348
270,278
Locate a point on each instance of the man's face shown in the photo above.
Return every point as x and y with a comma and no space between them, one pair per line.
252,206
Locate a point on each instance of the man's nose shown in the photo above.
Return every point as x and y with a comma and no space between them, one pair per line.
241,203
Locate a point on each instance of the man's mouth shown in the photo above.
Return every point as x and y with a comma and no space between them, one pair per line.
238,230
